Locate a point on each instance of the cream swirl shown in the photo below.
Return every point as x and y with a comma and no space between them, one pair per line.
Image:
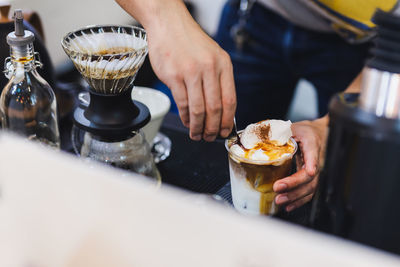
265,140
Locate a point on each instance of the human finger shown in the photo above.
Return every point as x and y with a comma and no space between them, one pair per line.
212,101
292,181
228,94
179,93
310,150
298,193
196,106
298,203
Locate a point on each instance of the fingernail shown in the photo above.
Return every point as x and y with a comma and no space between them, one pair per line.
196,137
281,187
225,132
290,208
281,199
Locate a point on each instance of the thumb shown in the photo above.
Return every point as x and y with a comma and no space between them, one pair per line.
310,150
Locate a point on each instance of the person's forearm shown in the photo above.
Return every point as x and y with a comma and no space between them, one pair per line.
355,86
153,13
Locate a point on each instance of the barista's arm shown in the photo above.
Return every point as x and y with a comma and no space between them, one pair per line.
355,86
198,72
299,188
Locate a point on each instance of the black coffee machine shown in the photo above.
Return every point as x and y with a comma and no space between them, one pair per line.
359,189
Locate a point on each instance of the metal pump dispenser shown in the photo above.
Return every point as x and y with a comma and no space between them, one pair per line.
19,37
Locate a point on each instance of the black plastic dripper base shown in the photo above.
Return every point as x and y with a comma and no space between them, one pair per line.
112,117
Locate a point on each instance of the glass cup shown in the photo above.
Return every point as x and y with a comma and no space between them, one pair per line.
252,181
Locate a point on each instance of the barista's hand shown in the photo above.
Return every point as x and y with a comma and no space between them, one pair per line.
299,188
198,72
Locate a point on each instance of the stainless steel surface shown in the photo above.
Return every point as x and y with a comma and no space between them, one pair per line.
236,133
380,93
235,127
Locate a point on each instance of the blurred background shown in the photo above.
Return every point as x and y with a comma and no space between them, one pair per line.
59,17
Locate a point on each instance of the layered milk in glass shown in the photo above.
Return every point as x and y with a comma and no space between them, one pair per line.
263,155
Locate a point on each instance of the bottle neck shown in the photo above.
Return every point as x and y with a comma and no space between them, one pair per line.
23,56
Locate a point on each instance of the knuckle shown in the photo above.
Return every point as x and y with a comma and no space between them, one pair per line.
176,77
225,57
182,105
197,111
309,178
173,76
214,109
299,179
226,60
191,69
209,63
229,101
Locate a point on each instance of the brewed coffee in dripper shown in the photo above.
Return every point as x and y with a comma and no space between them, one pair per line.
109,57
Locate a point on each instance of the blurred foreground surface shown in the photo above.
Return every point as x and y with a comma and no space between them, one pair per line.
58,211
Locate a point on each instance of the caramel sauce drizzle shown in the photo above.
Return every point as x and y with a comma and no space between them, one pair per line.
271,149
22,59
261,183
262,177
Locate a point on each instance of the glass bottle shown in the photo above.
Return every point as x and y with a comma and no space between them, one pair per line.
27,104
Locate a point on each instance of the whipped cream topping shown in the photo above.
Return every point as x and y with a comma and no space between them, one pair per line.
280,131
257,137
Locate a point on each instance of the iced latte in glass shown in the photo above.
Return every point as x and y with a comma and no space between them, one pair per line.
262,156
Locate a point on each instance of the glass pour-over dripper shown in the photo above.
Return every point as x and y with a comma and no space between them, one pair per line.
109,57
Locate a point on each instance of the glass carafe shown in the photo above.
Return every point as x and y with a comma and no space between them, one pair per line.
132,153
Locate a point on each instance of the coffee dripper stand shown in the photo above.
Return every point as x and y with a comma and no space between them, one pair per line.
109,57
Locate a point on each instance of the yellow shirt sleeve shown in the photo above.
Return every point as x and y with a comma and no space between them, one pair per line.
357,10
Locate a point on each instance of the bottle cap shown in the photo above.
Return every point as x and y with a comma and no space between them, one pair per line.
19,37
